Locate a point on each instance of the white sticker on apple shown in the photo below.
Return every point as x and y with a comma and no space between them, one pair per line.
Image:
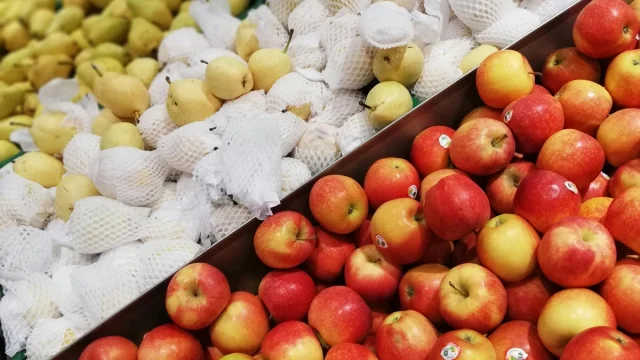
450,352
381,242
444,141
571,186
507,116
638,36
605,176
516,354
413,191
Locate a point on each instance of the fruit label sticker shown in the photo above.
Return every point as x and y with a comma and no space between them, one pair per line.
507,116
381,242
444,141
516,354
638,36
412,191
450,352
605,176
571,186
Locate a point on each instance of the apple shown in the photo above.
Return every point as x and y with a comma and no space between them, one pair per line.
455,206
620,291
622,78
350,352
568,64
532,120
539,89
339,315
626,177
169,342
544,198
389,179
439,252
430,180
518,340
110,348
329,256
605,28
287,294
501,187
377,317
242,325
465,250
483,112
371,275
420,289
570,312
507,245
619,136
482,147
585,105
601,343
503,77
623,219
430,149
338,203
212,353
370,343
635,5
462,344
527,297
472,297
597,188
417,333
291,340
363,234
399,231
284,240
596,208
237,356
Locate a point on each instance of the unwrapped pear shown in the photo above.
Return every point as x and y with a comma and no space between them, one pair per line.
386,102
476,56
111,50
118,8
14,66
15,36
57,43
84,4
87,74
70,189
144,69
49,134
103,122
40,21
238,6
39,167
246,42
189,100
183,20
11,97
269,65
80,39
48,67
30,104
402,64
13,123
7,150
155,11
108,29
124,95
144,37
66,20
228,78
101,4
122,134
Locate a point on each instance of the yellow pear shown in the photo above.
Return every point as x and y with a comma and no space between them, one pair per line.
124,95
144,69
122,134
83,56
189,101
246,42
89,22
86,73
269,65
70,189
57,43
30,104
238,6
39,167
11,11
84,4
386,102
15,35
27,9
49,134
7,150
101,4
80,40
156,12
173,5
11,66
476,57
403,64
49,4
83,90
66,20
48,67
108,29
185,7
118,8
103,122
302,111
111,50
13,123
11,97
144,37
39,22
228,78
183,20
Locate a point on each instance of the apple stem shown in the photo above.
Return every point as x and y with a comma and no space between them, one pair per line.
499,140
168,80
204,62
361,103
535,73
19,124
95,68
465,294
518,155
288,41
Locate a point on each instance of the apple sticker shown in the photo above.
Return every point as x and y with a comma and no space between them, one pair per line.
571,186
381,242
445,141
412,191
507,116
605,176
450,352
516,354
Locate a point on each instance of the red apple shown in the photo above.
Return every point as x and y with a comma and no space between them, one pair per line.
585,105
622,79
482,147
620,291
110,348
462,345
430,180
472,297
568,64
483,112
284,240
623,219
626,177
338,203
340,315
242,325
439,252
371,275
350,352
399,231
518,340
538,89
532,120
465,250
377,317
526,298
597,188
455,206
501,187
601,343
363,235
544,198
291,340
420,288
503,77
405,335
370,343
287,294
328,257
619,136
430,149
389,179
212,353
596,208
169,342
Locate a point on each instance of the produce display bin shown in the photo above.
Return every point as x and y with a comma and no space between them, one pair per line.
235,256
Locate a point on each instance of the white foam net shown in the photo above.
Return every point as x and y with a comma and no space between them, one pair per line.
441,66
456,29
57,95
294,173
184,147
546,9
450,51
209,172
305,52
347,6
66,298
60,233
291,130
431,23
269,30
248,104
179,44
159,87
356,130
158,259
25,201
308,17
6,221
170,223
168,194
80,153
342,105
294,90
123,257
337,29
386,25
282,8
25,249
480,14
227,218
217,24
517,23
155,123
318,147
50,336
350,64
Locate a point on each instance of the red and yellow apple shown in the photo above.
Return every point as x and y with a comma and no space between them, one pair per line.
598,188
596,208
284,240
287,294
350,352
620,291
565,65
338,203
585,104
110,348
501,187
237,356
622,79
503,77
169,342
619,136
420,290
363,234
439,252
389,179
416,334
371,275
462,344
539,89
482,112
518,340
526,298
482,147
291,340
601,342
465,250
430,149
625,177
623,219
329,256
430,180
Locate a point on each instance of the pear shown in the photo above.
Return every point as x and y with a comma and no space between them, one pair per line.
155,11
122,134
173,5
246,42
118,8
112,50
183,20
66,20
27,9
39,167
48,67
476,56
12,67
48,133
87,75
84,4
57,43
238,6
144,37
302,111
103,122
89,22
13,123
228,78
144,69
70,189
184,8
11,97
15,36
11,11
402,64
108,29
39,22
189,101
49,4
83,90
30,104
101,4
83,56
7,150
124,95
386,102
80,40
269,65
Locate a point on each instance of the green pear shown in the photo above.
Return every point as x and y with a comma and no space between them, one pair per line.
80,40
144,69
84,4
101,4
155,11
122,134
88,75
57,43
386,102
269,65
189,101
476,57
48,67
246,40
124,95
49,4
88,22
183,20
118,8
403,64
228,78
115,51
11,97
49,134
108,29
66,20
39,22
39,167
15,36
144,37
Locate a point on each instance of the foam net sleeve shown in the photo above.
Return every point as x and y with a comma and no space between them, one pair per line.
517,23
318,147
349,64
25,201
356,130
179,44
66,298
479,15
80,153
308,17
24,250
227,218
154,123
386,25
185,146
50,336
158,259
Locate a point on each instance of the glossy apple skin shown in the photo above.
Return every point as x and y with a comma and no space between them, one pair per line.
389,179
329,256
371,275
455,206
620,291
291,340
626,177
430,149
482,147
585,104
340,315
110,348
503,77
565,65
598,188
405,335
439,252
338,203
619,136
544,198
501,187
284,240
483,112
287,294
420,290
605,28
596,208
169,342
539,89
532,120
363,235
430,180
622,79
471,345
601,343
623,219
518,334
350,352
526,298
570,312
